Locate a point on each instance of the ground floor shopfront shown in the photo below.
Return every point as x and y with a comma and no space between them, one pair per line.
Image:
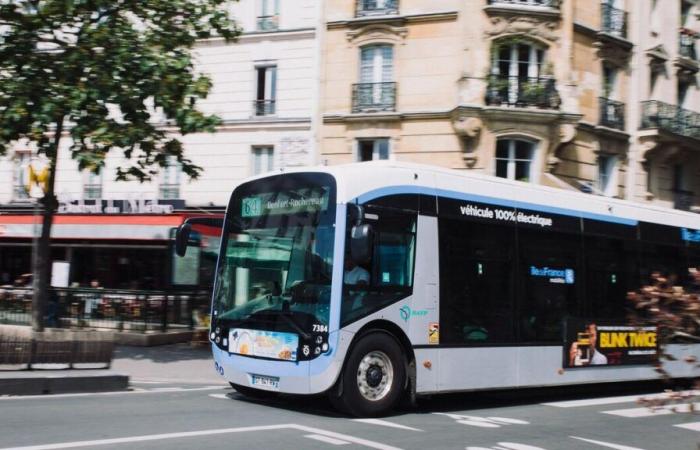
118,251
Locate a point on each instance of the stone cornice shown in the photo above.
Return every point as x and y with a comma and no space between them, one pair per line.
519,10
393,19
256,36
602,131
386,116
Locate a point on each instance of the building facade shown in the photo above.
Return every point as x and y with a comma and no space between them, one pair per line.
600,97
265,90
581,95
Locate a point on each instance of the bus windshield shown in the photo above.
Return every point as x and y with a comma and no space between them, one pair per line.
277,257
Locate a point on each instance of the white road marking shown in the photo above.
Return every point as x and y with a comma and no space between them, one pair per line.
606,444
385,423
483,422
514,446
220,396
610,400
326,439
695,426
99,394
189,434
650,412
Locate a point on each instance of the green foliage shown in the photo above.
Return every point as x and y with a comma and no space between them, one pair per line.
105,71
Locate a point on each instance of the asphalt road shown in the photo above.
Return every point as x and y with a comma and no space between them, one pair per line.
175,415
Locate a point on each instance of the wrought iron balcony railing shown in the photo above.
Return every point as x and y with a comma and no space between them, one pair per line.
687,46
370,97
376,7
169,191
612,113
545,3
683,200
522,92
613,20
670,118
264,107
268,23
92,191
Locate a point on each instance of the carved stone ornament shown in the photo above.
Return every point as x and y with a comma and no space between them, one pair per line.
376,32
552,163
467,126
528,25
613,54
567,133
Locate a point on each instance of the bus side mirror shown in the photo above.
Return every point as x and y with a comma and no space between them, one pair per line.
182,237
361,239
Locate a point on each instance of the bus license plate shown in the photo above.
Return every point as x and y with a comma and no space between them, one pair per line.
271,383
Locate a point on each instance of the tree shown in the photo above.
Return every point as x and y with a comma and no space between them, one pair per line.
675,312
99,74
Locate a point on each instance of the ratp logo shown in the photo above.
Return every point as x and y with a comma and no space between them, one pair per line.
405,313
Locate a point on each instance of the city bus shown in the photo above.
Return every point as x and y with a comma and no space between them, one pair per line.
374,282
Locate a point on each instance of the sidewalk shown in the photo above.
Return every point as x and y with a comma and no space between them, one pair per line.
176,363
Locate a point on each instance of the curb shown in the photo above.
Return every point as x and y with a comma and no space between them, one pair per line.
61,382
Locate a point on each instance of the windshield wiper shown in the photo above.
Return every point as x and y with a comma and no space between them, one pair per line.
288,318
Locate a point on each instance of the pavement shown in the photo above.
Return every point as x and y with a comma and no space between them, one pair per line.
171,363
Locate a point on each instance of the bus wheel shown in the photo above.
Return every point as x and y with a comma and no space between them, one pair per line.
374,376
249,392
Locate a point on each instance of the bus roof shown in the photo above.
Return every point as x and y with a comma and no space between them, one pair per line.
367,180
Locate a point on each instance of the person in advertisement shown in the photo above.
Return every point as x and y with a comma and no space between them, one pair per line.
583,351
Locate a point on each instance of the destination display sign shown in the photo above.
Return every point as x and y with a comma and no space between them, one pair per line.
600,343
285,202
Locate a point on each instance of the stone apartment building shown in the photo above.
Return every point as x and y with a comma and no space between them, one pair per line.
576,94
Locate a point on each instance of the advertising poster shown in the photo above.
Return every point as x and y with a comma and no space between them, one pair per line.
602,343
264,344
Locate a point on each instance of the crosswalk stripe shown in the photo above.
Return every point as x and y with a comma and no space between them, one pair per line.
612,400
385,423
695,426
656,411
606,444
326,439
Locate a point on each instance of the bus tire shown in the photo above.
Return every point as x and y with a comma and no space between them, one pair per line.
257,394
374,376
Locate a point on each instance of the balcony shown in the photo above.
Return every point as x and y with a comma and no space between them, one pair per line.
169,191
264,107
268,23
613,21
683,200
376,8
522,92
671,119
612,113
542,3
373,97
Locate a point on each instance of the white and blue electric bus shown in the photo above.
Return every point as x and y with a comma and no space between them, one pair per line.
372,281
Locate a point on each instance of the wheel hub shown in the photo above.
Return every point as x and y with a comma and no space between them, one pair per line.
375,375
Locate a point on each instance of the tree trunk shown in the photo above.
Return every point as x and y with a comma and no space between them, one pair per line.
42,260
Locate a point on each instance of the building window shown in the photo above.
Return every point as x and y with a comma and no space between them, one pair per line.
376,90
21,175
268,15
372,149
518,76
92,185
376,7
607,175
682,93
170,179
266,90
514,159
263,160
